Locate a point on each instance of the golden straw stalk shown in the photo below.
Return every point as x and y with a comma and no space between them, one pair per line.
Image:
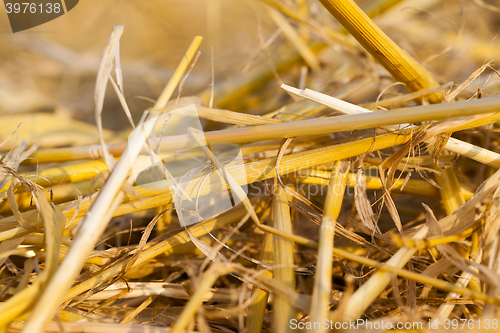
401,65
284,271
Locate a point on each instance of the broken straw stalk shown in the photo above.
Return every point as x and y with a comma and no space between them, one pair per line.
101,211
364,296
272,173
87,170
397,62
166,247
322,281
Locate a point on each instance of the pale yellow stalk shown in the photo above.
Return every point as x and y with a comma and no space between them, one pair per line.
305,127
323,278
284,271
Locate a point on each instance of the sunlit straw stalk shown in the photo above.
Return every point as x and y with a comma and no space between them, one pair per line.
166,247
401,65
254,171
454,145
411,186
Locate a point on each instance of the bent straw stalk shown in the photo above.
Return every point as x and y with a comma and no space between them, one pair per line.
454,145
254,171
166,247
427,274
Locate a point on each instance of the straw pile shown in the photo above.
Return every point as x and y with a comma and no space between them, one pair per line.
366,189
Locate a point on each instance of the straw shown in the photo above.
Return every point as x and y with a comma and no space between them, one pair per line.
306,127
397,62
322,281
98,216
283,260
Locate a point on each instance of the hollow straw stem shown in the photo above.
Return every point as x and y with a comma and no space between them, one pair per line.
454,145
87,170
63,174
254,171
397,62
411,186
100,213
474,152
167,247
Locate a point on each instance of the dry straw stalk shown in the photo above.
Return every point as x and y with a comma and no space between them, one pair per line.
302,128
257,309
284,271
101,211
323,279
401,66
